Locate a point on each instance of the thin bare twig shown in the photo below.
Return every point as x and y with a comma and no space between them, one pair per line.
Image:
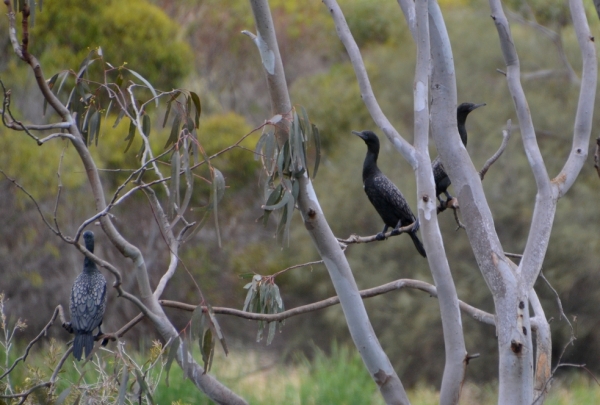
295,267
39,209
354,238
58,312
558,303
505,137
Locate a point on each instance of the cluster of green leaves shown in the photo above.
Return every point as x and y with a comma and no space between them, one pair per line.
263,297
285,164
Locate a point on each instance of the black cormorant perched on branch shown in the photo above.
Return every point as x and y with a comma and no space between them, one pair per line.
88,301
384,195
442,181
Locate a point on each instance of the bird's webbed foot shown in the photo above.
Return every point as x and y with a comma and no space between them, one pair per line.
380,236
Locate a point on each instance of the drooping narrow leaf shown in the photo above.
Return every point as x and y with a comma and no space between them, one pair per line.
63,76
271,335
174,184
288,221
63,395
220,183
270,157
258,150
197,105
317,138
130,135
214,324
196,322
51,86
147,83
119,118
141,380
172,354
110,104
284,200
208,346
219,190
167,112
31,13
189,181
94,127
146,125
85,64
174,131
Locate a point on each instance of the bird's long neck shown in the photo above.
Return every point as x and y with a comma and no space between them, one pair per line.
89,265
370,166
462,129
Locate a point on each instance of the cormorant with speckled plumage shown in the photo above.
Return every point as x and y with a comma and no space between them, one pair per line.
442,181
385,196
88,302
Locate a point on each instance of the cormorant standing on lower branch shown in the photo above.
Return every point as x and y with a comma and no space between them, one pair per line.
384,195
442,181
88,301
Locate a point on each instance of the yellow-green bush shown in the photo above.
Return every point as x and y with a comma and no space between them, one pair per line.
135,32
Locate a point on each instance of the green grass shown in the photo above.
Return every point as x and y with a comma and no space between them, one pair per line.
339,378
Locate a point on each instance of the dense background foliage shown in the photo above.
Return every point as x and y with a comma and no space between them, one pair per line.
198,45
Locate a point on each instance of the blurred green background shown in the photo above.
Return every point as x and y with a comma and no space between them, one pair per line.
198,45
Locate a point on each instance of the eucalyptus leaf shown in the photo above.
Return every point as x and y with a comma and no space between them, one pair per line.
174,184
63,395
174,136
207,347
130,135
146,125
147,83
198,107
172,354
317,138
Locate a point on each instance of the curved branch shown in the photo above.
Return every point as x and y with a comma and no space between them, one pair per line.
505,137
366,91
475,313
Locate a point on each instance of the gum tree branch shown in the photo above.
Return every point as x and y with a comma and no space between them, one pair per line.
366,91
475,313
545,204
582,127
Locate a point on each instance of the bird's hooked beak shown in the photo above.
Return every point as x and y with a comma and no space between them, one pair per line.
360,134
476,106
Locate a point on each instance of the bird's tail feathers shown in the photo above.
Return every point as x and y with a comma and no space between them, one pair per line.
81,342
418,244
